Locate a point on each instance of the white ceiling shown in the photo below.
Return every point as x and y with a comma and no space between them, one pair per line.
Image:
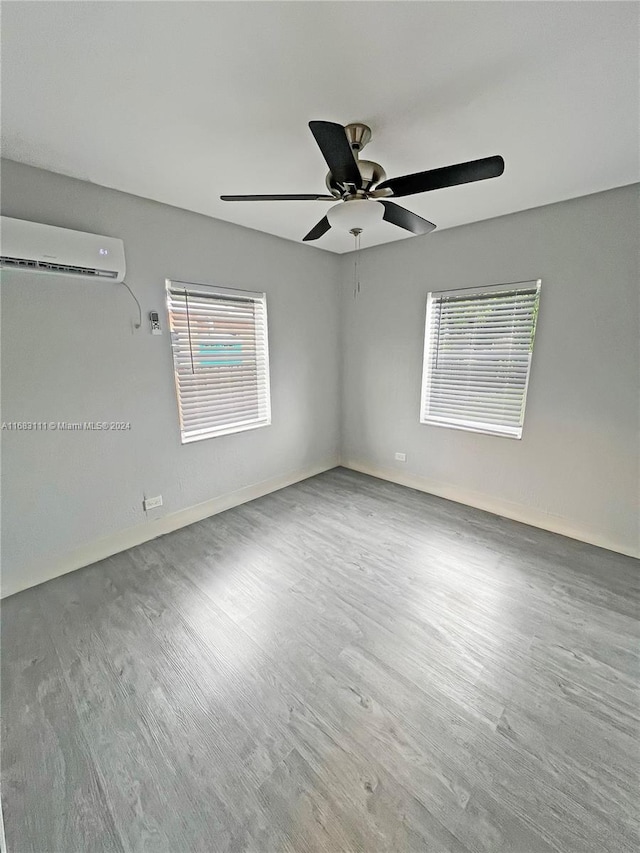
182,101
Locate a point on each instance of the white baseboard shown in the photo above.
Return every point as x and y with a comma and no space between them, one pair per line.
496,506
100,549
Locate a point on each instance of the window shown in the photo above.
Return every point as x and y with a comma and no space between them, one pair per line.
221,359
477,356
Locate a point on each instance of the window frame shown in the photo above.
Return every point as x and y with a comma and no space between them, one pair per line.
503,431
222,293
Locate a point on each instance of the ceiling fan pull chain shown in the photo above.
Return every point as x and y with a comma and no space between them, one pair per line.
356,273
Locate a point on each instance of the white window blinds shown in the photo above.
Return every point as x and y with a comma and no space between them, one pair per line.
221,359
477,357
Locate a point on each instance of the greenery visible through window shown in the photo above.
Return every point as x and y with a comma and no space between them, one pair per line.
477,357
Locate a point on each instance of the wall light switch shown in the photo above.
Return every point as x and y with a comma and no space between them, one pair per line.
401,457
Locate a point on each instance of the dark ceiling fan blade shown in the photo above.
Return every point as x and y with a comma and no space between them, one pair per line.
404,218
448,176
318,230
278,197
336,150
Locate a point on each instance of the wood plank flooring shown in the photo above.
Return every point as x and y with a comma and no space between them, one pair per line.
345,665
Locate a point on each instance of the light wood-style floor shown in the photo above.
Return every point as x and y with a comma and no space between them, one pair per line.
344,665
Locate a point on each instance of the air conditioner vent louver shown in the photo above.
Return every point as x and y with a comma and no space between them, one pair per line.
31,247
47,266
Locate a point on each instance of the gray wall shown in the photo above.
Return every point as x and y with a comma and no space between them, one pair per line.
69,354
576,468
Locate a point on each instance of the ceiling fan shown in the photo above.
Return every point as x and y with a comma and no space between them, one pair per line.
361,186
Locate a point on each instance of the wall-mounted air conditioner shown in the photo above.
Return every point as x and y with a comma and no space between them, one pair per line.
33,247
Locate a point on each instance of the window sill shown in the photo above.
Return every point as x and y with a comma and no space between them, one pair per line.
485,429
227,430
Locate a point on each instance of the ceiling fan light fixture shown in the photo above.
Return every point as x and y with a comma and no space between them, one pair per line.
358,213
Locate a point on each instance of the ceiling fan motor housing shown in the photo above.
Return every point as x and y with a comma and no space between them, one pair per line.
372,174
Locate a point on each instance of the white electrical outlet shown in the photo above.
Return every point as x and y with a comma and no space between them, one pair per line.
152,503
401,457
